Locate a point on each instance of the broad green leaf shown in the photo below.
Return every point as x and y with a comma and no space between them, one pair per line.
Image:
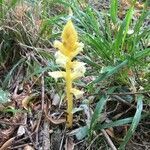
97,112
135,122
114,123
81,132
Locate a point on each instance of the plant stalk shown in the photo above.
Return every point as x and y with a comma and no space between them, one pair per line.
69,94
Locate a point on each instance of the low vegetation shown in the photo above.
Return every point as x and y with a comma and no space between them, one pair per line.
52,51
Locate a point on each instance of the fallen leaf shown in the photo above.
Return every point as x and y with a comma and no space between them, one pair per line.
80,132
69,144
21,130
55,121
50,118
56,100
27,99
28,147
7,144
110,132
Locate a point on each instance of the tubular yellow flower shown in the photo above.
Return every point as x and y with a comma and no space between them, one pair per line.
77,93
61,59
57,74
68,49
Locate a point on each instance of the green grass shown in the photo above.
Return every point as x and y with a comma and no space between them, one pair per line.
25,39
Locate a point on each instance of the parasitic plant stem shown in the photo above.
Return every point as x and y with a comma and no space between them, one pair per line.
69,94
68,49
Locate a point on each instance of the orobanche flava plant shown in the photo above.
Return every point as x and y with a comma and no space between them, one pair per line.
68,48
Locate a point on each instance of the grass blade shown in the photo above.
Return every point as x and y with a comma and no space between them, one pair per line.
134,124
113,10
9,75
114,123
97,112
123,31
99,107
110,72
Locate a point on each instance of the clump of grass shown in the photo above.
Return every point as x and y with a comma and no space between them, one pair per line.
25,38
111,41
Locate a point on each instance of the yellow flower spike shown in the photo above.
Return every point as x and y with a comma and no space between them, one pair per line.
69,45
68,49
69,37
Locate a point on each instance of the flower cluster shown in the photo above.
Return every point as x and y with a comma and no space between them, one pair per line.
68,48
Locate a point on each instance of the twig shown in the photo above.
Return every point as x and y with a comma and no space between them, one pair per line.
37,139
43,91
89,147
20,146
38,123
35,81
79,142
30,137
11,124
42,107
46,138
131,93
25,138
61,143
123,101
126,93
7,144
111,144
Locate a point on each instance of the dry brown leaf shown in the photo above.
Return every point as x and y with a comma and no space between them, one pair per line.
5,134
138,5
50,118
69,144
28,147
21,130
20,11
55,121
25,102
27,99
110,132
126,4
56,100
7,144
